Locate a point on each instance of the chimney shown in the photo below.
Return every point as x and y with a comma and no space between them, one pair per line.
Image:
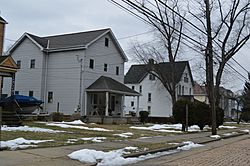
2,28
150,61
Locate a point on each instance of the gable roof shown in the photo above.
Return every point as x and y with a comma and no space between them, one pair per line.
80,40
199,89
107,84
7,65
3,21
137,73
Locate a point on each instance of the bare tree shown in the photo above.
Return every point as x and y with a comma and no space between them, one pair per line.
168,26
222,28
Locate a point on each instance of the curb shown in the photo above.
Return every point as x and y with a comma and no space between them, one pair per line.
180,145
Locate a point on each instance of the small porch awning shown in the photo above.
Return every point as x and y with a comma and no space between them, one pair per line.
107,84
7,66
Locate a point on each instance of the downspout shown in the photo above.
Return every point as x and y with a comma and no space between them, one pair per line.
45,77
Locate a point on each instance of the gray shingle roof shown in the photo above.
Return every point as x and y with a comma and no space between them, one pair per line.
108,84
136,73
68,40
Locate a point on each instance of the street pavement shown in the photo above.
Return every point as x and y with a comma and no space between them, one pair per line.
57,156
230,152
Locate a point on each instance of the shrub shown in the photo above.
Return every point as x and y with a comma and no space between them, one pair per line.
57,116
143,116
75,116
245,116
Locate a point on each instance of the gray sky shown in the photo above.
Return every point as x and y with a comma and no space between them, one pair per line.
50,17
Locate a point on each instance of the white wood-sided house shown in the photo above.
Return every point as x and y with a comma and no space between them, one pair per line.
155,98
72,72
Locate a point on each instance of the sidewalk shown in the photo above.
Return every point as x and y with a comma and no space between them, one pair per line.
58,155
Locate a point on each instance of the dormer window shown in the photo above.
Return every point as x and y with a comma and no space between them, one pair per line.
106,42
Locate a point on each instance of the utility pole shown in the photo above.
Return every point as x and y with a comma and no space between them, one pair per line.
79,108
209,67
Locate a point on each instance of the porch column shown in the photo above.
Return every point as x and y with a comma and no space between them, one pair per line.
13,84
122,105
137,109
107,104
85,103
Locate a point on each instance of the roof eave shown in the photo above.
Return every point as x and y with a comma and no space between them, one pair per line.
113,91
66,49
12,48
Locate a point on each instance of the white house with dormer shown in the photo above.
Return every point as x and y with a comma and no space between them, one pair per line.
72,72
155,98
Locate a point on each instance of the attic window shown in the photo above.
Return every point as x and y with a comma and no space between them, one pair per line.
106,42
185,78
151,77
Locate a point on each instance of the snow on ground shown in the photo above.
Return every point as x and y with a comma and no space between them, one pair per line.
124,135
93,139
75,122
115,158
227,127
21,143
247,131
189,145
166,127
228,134
75,127
215,136
31,129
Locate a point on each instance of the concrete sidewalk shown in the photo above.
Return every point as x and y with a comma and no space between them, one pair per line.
58,155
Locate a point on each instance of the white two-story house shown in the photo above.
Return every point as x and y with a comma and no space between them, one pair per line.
155,98
72,72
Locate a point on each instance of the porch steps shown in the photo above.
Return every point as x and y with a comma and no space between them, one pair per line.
10,118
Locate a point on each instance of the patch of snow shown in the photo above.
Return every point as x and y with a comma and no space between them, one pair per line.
227,127
246,130
144,137
173,143
124,135
230,122
189,145
93,139
75,122
21,143
115,158
215,136
76,127
228,134
169,131
163,127
31,129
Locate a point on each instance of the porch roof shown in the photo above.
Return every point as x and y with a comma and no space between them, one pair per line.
107,84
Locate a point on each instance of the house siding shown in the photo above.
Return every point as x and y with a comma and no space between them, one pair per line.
27,79
62,76
161,102
63,79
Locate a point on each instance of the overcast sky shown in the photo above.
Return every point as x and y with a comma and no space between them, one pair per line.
50,17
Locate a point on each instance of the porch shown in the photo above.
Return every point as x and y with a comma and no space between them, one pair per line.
105,101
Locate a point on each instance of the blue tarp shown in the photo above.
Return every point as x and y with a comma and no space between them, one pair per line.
21,99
